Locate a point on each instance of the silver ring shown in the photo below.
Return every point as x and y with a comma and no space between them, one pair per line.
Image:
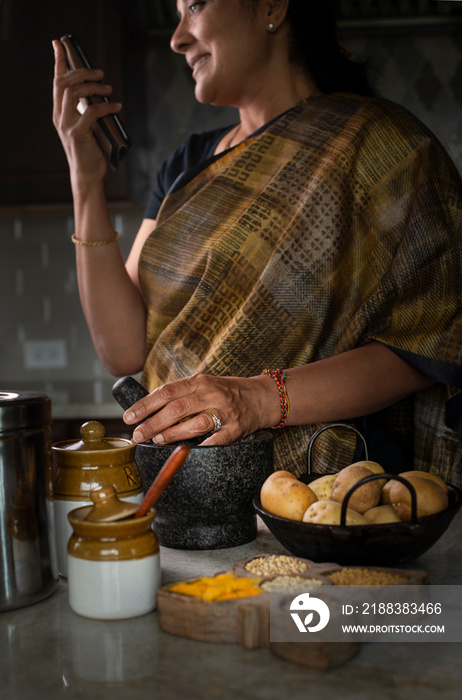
216,421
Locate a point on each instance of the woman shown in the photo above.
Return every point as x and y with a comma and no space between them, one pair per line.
320,235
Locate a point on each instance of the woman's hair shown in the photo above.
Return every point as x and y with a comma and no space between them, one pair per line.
315,48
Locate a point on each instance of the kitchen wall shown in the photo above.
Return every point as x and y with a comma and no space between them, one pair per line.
44,343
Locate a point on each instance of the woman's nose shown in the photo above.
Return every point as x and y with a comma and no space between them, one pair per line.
181,38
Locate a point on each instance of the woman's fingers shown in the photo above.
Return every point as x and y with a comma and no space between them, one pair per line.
164,408
69,94
164,421
160,397
200,424
227,407
178,410
80,75
60,58
70,87
74,118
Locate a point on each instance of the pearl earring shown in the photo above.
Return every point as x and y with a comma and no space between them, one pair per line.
271,27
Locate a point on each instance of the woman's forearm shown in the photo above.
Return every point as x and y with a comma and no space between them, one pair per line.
351,384
112,303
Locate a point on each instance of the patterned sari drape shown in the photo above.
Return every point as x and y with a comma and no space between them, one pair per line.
340,224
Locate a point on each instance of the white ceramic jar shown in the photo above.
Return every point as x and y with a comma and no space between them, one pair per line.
113,567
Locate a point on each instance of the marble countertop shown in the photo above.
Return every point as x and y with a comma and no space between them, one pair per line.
47,651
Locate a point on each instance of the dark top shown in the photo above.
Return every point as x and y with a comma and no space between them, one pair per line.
198,148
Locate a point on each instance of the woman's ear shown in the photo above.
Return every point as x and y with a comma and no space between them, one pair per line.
276,11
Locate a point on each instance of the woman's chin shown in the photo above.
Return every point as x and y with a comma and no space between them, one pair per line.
206,94
203,94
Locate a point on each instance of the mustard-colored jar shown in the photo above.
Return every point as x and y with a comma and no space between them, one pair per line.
83,466
113,567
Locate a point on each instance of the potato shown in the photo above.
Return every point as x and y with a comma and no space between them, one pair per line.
280,473
373,467
322,487
381,514
365,497
286,497
328,513
385,495
431,498
426,475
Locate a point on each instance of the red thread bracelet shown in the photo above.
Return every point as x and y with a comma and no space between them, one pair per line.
279,376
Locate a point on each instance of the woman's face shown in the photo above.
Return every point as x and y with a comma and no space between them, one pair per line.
227,47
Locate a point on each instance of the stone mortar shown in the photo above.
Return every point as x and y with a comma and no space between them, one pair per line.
209,503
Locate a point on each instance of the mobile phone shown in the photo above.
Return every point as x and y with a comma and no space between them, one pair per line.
109,131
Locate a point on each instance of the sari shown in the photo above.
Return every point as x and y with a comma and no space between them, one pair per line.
338,225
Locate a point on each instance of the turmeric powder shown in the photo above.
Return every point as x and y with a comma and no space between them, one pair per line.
217,588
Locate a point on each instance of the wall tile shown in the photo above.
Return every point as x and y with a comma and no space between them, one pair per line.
39,301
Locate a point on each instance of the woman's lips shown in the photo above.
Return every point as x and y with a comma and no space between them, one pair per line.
199,62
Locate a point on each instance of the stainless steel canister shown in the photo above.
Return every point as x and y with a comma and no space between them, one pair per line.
28,571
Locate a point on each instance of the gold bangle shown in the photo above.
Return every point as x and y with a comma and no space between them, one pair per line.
93,244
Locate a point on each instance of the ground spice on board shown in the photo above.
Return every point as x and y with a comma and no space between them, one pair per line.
364,577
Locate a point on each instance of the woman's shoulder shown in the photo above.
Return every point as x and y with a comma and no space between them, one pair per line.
383,133
378,111
376,126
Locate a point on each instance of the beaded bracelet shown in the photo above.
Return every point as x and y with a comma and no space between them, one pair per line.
279,376
93,244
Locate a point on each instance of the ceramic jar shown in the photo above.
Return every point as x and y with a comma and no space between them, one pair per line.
113,567
83,466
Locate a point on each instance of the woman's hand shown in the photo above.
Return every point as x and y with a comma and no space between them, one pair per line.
242,405
86,160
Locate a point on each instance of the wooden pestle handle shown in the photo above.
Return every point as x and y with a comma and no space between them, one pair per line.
171,467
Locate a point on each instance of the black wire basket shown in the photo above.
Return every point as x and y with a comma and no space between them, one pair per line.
384,544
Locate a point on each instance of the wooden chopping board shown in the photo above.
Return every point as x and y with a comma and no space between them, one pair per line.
246,621
242,621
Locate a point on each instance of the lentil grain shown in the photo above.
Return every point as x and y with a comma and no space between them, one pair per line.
290,583
275,564
364,577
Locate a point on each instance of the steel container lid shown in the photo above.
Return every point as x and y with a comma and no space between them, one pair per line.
20,410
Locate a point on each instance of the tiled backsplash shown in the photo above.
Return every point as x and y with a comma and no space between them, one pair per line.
44,343
38,286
